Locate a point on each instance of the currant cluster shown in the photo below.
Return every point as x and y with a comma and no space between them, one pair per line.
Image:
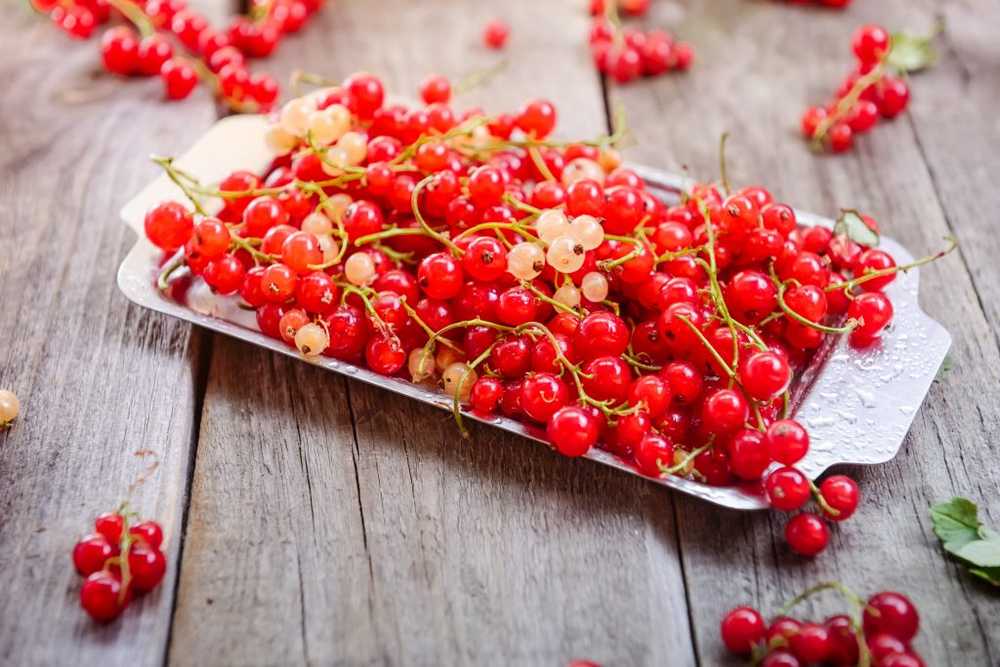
877,634
10,407
540,280
627,54
156,30
118,560
867,94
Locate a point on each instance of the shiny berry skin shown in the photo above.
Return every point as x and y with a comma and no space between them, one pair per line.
495,34
901,660
485,396
573,430
608,378
840,137
90,553
120,51
748,457
542,394
435,88
741,629
110,525
724,411
99,596
781,630
653,393
871,261
516,306
600,334
153,51
870,43
385,355
262,214
843,647
537,118
168,225
651,452
300,251
787,489
278,283
873,312
147,566
179,79
485,259
787,441
317,293
811,120
807,535
841,493
225,275
891,613
364,94
883,645
811,643
780,658
486,186
440,276
686,383
765,375
863,116
892,96
149,532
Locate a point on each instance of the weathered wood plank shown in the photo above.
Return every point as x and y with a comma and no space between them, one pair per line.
420,548
759,65
98,379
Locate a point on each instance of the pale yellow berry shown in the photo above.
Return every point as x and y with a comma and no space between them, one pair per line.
552,224
458,380
565,255
609,159
318,224
280,141
294,117
359,269
525,261
594,287
568,295
587,231
580,169
421,364
327,126
10,407
355,146
312,339
329,247
334,161
446,356
336,205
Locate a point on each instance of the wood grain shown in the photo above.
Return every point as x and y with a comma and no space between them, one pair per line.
99,380
756,88
420,548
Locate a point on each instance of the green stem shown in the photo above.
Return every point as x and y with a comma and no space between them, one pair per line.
163,278
849,285
437,236
847,328
167,164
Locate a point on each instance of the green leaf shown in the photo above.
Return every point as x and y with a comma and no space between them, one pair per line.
956,522
981,553
851,224
911,53
990,574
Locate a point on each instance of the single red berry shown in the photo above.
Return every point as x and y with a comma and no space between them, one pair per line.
364,94
840,137
892,96
811,120
724,411
149,532
120,51
765,375
741,629
168,225
891,613
179,79
843,648
780,658
110,525
806,534
787,441
841,493
883,645
485,395
90,553
152,53
100,594
537,118
147,565
873,312
485,259
435,88
225,275
652,452
748,457
495,34
901,660
542,394
573,430
787,489
600,334
870,43
812,642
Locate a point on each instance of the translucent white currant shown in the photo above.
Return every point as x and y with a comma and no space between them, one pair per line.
294,116
280,140
10,407
334,161
525,261
580,169
568,295
327,126
609,159
458,380
421,364
359,269
594,287
329,247
336,205
565,255
446,356
552,224
587,231
311,339
318,224
355,146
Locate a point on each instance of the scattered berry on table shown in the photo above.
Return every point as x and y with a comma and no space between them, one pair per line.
10,407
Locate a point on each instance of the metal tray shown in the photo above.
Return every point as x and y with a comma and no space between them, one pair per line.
857,404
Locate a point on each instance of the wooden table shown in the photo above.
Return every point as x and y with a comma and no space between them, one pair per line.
316,520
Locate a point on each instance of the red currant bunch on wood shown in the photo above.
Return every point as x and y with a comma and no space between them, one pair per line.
627,54
874,90
878,632
120,559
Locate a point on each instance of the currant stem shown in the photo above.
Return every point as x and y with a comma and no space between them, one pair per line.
846,329
847,102
685,462
821,501
849,285
708,346
437,236
167,164
723,175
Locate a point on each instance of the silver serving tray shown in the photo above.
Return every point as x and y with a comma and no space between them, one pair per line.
857,404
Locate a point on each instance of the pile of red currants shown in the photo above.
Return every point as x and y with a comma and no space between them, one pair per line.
873,90
540,280
627,54
155,30
119,560
878,634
